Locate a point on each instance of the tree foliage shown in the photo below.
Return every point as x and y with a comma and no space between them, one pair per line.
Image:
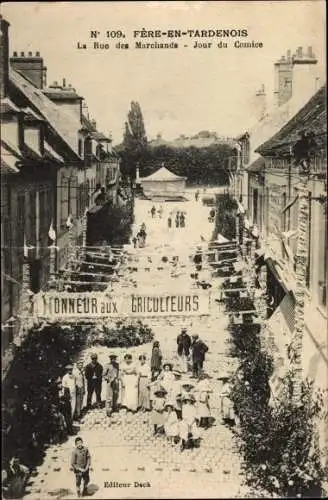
134,140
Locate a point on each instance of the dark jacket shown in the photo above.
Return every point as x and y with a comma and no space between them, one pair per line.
156,359
184,343
91,370
199,348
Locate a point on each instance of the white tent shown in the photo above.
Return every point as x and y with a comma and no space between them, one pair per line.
222,239
163,181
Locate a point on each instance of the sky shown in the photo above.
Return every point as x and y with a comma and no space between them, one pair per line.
180,91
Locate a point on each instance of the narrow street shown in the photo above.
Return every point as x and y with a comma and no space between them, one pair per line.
123,448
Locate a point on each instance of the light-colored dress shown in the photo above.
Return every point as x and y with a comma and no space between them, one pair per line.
157,416
130,386
171,424
227,410
202,390
188,423
144,391
167,380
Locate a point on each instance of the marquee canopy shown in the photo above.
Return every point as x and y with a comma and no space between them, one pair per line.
162,175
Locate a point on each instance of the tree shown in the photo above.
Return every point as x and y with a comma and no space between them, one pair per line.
134,139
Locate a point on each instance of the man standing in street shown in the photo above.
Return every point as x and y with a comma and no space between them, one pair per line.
93,375
111,375
69,384
184,342
80,388
80,462
199,348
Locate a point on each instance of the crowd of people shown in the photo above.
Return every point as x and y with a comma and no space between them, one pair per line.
178,404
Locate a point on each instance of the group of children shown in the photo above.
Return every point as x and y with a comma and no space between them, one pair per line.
179,407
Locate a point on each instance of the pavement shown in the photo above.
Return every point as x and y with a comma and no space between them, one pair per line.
127,461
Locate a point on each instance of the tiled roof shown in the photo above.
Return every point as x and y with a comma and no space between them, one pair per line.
312,116
64,123
257,165
7,106
9,158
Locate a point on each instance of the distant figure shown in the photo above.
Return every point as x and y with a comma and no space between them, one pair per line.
153,211
169,222
182,220
160,211
93,375
197,195
111,375
177,219
143,226
134,241
198,348
101,198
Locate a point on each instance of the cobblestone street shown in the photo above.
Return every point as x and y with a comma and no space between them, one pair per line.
123,448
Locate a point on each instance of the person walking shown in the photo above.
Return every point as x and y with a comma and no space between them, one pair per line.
203,391
199,348
156,361
69,383
78,373
169,221
93,375
183,351
130,383
189,432
112,377
64,405
153,211
80,463
144,373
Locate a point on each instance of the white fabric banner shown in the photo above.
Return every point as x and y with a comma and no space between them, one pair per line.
91,305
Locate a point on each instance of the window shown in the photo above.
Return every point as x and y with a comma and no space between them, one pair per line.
80,147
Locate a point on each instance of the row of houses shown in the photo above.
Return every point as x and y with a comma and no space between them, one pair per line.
267,186
53,162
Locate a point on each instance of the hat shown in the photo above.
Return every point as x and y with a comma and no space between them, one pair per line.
69,367
177,373
160,391
169,404
195,336
112,356
168,364
186,383
188,397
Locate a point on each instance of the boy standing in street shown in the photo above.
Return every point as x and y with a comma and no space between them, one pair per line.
80,463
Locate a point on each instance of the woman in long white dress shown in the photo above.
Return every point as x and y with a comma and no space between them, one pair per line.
130,383
144,381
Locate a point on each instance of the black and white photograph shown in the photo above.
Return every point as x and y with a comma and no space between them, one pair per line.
164,250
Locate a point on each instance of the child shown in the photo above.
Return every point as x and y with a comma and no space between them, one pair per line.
227,410
176,393
188,426
203,408
80,463
158,405
167,378
171,424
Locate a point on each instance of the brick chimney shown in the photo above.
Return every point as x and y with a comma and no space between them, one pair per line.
283,79
4,57
31,66
304,81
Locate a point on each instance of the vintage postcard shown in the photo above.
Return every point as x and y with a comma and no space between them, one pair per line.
164,249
